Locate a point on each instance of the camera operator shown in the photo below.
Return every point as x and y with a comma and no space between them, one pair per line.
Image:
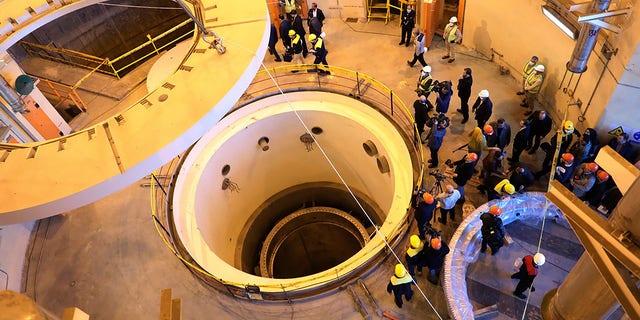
424,212
464,170
444,96
438,125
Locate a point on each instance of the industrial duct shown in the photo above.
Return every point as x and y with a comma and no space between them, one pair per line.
10,95
587,39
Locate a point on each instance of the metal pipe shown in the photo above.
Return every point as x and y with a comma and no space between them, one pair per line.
587,39
10,95
6,89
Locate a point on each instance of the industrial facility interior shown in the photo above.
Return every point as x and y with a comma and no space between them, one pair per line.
158,144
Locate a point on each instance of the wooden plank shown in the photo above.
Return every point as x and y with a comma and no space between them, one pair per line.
176,309
165,304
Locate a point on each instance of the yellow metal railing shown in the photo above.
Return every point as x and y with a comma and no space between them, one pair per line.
101,64
62,92
289,78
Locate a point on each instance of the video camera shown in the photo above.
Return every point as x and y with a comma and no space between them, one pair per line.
438,86
439,175
440,118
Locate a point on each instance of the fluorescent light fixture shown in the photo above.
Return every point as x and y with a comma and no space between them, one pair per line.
560,21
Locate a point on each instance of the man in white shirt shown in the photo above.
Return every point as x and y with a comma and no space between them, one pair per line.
448,200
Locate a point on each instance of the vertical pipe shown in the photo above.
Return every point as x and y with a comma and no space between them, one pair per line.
587,39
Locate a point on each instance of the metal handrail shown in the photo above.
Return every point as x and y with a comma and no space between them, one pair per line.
95,63
342,81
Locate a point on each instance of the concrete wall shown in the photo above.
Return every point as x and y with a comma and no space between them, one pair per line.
518,29
107,31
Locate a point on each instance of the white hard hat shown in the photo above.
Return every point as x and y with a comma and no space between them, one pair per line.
426,69
539,259
483,94
453,20
539,68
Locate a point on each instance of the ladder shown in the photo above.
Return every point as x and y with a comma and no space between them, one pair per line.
378,9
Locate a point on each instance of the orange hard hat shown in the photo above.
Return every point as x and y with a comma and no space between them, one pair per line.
487,129
436,243
567,157
495,210
591,167
428,198
602,175
472,156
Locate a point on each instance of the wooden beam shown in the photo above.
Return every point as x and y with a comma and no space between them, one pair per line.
166,305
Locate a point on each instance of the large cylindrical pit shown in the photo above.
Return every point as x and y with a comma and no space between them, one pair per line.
258,201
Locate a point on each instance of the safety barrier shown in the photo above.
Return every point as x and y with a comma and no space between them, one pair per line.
106,65
273,81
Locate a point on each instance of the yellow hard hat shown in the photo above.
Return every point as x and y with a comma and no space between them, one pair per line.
509,188
312,37
292,32
568,126
400,272
415,241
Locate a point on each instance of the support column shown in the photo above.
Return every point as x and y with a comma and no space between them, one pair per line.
583,295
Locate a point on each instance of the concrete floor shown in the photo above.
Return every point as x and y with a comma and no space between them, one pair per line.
107,259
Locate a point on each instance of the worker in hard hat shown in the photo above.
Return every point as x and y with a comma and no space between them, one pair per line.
564,169
425,84
549,148
526,71
583,179
400,284
433,258
447,200
478,142
496,187
483,108
528,271
424,212
296,47
451,36
532,87
594,196
492,230
296,24
413,256
318,49
464,170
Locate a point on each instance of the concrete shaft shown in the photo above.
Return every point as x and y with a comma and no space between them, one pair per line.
583,295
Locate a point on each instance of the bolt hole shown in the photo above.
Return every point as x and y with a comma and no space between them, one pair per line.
316,130
226,169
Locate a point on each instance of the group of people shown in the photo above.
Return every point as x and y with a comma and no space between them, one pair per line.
292,33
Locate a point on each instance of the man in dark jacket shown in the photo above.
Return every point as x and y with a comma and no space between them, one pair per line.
622,146
314,12
528,271
520,141
273,40
465,168
502,131
540,126
421,115
296,24
400,284
464,92
434,258
408,21
483,107
285,26
594,196
436,135
492,230
564,169
521,178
